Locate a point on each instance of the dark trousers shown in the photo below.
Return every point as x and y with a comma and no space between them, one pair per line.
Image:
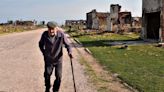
58,74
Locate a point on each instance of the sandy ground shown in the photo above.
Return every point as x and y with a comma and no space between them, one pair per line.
22,66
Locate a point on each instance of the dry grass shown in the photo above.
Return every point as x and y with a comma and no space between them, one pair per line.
10,28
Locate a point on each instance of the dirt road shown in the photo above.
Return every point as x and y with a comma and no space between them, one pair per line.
22,66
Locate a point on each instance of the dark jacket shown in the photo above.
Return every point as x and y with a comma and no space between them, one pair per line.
53,52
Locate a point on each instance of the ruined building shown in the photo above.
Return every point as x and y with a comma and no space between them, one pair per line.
25,23
97,20
137,21
118,18
153,20
75,22
107,21
114,16
125,18
136,24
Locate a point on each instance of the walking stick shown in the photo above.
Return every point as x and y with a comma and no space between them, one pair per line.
73,75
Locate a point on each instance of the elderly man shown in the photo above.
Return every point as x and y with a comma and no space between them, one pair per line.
51,45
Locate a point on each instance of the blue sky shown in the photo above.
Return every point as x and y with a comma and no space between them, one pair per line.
61,10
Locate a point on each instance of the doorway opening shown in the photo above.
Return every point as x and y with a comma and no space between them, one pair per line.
153,25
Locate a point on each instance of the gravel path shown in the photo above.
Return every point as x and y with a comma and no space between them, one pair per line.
22,65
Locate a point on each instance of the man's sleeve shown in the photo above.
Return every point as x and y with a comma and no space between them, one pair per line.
41,44
67,44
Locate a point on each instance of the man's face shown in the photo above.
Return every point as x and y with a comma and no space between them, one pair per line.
51,31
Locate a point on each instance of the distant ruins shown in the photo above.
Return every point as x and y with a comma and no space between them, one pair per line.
20,23
97,20
113,21
75,22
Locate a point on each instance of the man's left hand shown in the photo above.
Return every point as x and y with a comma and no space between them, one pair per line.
70,55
